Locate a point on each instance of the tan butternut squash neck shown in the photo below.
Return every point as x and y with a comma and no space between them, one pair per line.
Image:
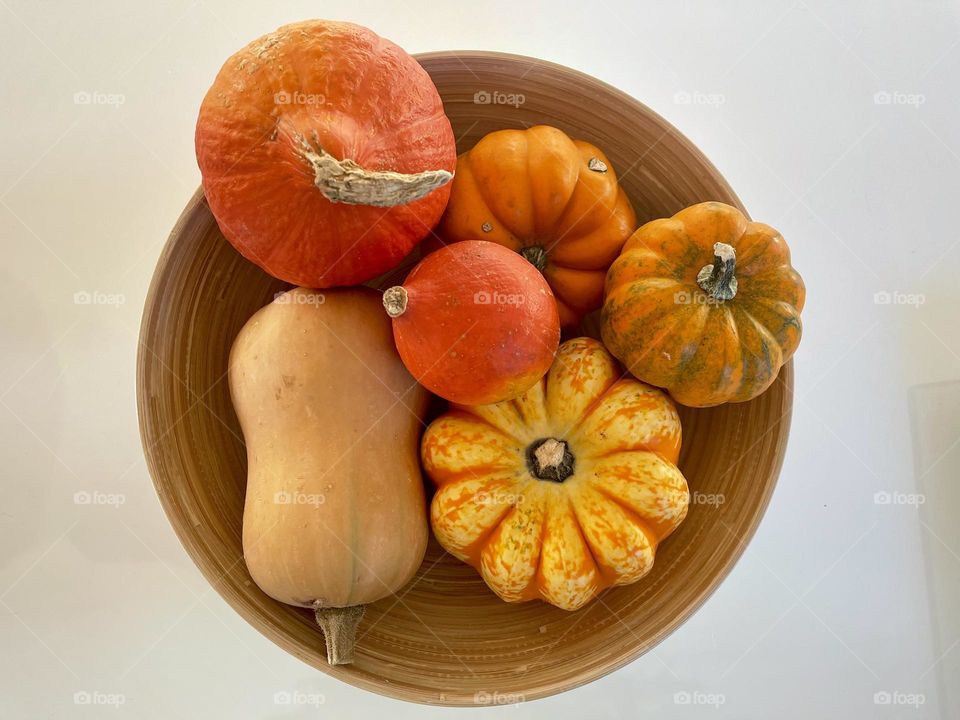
344,181
339,627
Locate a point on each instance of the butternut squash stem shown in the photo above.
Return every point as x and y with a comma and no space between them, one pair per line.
339,627
395,300
344,181
717,279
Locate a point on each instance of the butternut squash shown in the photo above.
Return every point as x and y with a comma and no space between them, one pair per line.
335,514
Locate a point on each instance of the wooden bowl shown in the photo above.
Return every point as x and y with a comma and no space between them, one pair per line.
446,639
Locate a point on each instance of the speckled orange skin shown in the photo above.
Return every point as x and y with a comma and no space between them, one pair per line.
523,188
668,332
561,542
481,324
349,91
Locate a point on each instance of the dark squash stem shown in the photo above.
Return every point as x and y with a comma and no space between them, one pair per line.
550,459
536,256
718,280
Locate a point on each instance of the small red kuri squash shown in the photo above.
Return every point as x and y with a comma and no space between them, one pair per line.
325,153
475,323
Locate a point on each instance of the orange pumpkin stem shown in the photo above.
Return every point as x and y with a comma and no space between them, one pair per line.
339,627
344,181
395,300
717,279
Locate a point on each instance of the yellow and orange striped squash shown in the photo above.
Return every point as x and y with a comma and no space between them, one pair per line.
563,491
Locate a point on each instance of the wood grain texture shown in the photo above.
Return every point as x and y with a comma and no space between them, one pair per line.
446,639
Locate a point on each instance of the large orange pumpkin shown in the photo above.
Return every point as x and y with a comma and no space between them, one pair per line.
564,491
704,304
554,200
325,153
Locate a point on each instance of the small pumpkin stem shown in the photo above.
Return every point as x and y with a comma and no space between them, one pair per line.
550,459
339,627
343,181
395,300
597,165
536,256
718,280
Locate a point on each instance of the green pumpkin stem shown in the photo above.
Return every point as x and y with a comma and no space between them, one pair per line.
717,279
536,256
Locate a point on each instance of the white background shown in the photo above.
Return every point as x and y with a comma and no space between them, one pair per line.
839,597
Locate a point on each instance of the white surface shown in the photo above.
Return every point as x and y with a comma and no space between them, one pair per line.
935,413
831,603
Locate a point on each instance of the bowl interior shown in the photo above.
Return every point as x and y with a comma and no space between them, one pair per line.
445,638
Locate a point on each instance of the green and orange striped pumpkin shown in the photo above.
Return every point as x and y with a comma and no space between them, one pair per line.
704,304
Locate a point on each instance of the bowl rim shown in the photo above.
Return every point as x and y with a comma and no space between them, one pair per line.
452,699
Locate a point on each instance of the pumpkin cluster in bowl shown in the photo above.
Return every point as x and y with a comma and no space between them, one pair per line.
328,161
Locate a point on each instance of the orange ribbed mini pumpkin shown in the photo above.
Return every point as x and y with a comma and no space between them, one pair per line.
554,200
564,491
